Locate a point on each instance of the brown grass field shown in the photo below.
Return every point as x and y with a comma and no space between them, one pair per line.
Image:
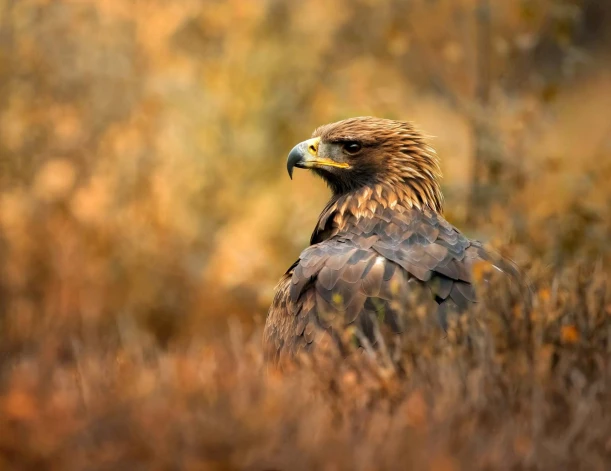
146,215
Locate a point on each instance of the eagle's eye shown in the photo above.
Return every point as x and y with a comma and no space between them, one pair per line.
352,147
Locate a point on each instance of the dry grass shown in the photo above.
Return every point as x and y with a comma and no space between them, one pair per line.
504,389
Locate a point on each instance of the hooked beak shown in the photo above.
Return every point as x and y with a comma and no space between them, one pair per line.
305,155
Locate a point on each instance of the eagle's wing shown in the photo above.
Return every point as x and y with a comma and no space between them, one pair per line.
371,273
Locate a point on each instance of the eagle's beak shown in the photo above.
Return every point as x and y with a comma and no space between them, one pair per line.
305,155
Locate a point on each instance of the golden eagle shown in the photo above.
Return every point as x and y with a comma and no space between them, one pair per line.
381,238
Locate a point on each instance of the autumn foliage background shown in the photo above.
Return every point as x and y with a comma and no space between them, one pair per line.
146,215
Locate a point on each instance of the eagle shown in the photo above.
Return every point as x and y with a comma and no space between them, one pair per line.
380,243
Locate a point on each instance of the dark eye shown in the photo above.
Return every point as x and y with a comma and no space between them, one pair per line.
352,147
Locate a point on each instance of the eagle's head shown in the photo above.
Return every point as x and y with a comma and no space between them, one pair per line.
369,152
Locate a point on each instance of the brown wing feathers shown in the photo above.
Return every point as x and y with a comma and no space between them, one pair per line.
366,267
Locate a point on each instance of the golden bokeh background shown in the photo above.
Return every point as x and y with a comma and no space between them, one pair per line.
143,143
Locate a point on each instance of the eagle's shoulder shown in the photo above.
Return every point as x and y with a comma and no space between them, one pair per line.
376,267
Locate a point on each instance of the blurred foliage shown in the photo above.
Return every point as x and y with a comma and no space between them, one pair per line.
144,206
